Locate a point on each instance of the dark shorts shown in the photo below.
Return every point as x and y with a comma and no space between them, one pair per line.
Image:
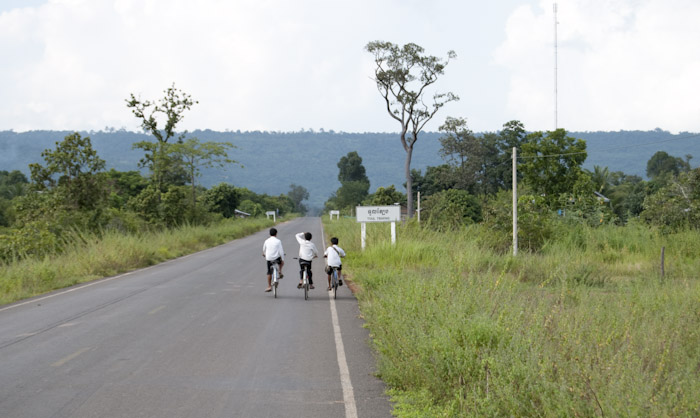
303,264
269,264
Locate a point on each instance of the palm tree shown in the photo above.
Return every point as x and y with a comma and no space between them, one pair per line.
600,178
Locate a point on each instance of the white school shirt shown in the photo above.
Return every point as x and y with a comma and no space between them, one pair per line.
272,248
333,256
307,249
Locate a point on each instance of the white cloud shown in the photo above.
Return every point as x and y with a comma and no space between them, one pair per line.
623,64
280,65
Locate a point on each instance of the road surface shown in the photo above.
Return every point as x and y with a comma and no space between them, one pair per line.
192,337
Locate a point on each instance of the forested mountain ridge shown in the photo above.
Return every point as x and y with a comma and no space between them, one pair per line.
271,161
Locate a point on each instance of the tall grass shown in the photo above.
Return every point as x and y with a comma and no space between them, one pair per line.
586,327
90,256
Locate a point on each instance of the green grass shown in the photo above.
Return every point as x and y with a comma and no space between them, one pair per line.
91,257
586,327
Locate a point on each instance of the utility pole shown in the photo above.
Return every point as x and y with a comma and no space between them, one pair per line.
556,104
515,201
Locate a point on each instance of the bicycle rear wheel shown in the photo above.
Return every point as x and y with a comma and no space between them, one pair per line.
335,284
275,281
306,285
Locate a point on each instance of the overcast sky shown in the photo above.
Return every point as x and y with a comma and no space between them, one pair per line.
281,65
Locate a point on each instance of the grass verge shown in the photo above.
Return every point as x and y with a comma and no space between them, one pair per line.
586,327
90,257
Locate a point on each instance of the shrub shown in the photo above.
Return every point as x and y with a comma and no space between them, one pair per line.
451,209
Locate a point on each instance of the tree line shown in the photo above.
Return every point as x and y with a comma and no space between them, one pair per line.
474,183
71,192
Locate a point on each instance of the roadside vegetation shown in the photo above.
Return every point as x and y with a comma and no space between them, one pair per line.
585,326
74,221
86,257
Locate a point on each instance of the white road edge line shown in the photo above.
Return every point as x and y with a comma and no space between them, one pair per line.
348,391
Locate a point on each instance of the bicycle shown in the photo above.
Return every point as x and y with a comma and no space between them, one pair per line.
305,278
275,278
335,276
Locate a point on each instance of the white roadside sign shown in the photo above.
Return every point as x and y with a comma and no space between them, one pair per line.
377,214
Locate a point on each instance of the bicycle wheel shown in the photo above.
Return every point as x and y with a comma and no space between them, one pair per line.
274,282
335,284
306,285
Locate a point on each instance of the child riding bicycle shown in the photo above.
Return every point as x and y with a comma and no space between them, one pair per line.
307,252
333,255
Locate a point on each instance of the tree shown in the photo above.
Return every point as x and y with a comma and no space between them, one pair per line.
385,196
354,183
513,135
600,176
436,179
298,194
662,163
676,205
627,194
552,165
12,184
172,108
450,209
402,75
350,194
124,185
222,198
351,169
71,170
464,152
196,155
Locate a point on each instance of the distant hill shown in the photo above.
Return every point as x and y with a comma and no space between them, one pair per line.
274,160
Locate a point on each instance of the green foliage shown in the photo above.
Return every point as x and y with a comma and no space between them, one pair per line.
35,238
171,108
87,256
464,153
72,171
535,222
451,209
477,164
350,168
582,328
222,198
436,179
349,195
676,205
197,155
165,167
252,208
126,184
262,203
661,164
298,194
12,184
552,164
385,196
160,208
354,183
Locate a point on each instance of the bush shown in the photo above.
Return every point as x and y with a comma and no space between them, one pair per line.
535,222
451,209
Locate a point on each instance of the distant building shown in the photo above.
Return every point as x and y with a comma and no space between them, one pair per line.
240,214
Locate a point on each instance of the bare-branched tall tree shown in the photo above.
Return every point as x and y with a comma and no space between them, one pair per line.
402,75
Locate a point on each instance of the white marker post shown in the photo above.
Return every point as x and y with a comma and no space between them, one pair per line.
378,214
336,213
274,215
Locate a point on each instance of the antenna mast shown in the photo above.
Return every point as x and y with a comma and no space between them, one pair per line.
556,104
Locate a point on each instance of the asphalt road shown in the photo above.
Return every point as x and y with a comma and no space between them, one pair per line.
193,337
